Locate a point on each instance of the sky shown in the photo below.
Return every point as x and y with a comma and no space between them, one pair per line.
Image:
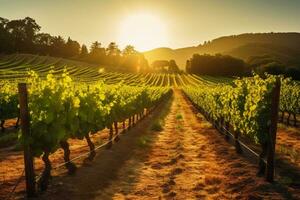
155,23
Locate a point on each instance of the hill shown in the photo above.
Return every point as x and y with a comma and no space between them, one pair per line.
17,65
282,46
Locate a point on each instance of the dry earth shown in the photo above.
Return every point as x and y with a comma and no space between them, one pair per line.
188,159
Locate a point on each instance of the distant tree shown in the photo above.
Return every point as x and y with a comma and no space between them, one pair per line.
23,36
113,50
42,42
160,65
219,65
5,37
144,65
188,66
95,47
57,47
293,72
113,54
129,50
31,28
273,68
173,68
130,60
84,51
72,48
23,32
97,54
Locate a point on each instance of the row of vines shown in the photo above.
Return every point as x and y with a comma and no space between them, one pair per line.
61,109
247,107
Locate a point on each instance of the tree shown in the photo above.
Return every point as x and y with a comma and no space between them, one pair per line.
173,68
57,47
113,55
113,50
95,47
72,48
129,50
5,37
274,68
30,28
84,51
130,62
42,42
160,65
97,53
23,32
188,66
144,65
23,36
217,65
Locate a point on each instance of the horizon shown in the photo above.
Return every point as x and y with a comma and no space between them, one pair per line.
155,24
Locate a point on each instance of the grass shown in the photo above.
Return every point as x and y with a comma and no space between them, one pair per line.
159,122
144,141
179,127
294,154
157,126
179,116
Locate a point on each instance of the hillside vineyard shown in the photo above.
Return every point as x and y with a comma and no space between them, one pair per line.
65,105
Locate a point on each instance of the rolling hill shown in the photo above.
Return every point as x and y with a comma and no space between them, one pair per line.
17,66
284,47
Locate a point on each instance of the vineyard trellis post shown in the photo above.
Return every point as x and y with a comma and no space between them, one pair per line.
25,127
272,132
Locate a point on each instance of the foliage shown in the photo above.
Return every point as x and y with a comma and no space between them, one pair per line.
290,96
165,66
245,105
61,109
8,100
218,65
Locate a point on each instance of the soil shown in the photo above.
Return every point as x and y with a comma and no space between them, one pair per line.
12,163
188,159
288,144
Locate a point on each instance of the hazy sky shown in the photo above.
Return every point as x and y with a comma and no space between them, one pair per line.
174,23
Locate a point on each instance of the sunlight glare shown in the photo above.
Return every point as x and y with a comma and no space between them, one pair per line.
144,31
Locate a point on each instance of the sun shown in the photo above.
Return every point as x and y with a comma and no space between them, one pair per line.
144,31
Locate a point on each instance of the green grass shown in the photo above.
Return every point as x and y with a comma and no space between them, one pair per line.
157,126
179,116
144,141
179,127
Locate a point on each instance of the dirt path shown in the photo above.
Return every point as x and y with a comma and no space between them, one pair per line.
187,160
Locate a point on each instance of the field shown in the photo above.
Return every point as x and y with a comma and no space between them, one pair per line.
16,67
163,133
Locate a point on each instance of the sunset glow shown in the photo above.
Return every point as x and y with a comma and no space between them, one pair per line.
143,30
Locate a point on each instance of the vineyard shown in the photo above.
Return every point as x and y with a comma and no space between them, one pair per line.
64,104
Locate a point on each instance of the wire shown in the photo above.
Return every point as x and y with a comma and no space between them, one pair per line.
240,142
81,155
15,186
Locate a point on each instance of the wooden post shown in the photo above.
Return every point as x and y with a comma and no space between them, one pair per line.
272,132
25,127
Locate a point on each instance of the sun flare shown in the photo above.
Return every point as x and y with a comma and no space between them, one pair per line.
143,30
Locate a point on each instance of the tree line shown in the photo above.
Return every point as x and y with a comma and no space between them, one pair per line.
216,65
24,36
165,66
